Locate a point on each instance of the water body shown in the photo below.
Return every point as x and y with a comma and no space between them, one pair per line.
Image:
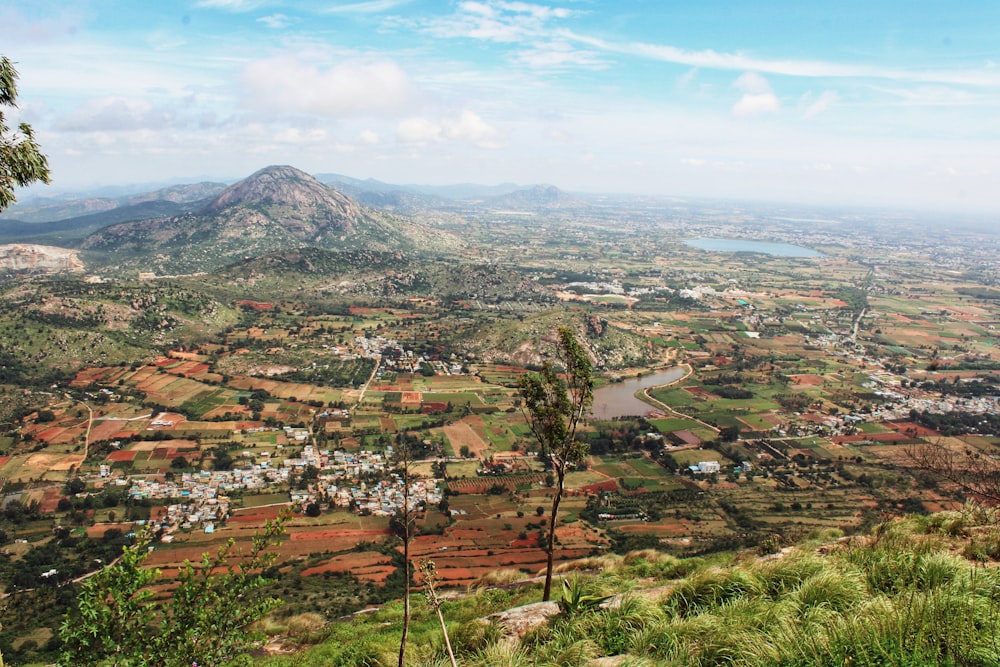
761,247
618,400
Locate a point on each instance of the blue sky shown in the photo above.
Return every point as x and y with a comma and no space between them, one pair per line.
876,102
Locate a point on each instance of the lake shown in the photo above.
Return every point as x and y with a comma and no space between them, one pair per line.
618,400
762,247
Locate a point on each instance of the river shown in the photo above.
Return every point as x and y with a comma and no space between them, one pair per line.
618,400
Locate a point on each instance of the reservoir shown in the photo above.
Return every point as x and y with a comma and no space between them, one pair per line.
761,247
618,400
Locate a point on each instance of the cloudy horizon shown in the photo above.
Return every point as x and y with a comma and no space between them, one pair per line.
857,104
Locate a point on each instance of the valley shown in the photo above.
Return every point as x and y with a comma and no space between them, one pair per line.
278,343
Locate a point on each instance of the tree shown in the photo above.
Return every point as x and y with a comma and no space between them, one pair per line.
118,621
21,160
969,470
554,406
403,525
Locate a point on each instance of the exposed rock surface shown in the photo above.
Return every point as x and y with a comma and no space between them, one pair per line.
308,206
518,621
38,258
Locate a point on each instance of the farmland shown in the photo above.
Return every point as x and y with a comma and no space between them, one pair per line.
805,383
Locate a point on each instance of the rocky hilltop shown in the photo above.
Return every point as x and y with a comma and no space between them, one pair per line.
277,208
38,258
305,206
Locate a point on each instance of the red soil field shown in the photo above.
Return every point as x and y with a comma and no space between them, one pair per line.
258,515
356,534
105,429
188,368
700,393
50,501
367,566
600,487
914,430
121,455
49,434
91,375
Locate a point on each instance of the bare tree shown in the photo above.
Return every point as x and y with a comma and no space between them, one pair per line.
429,572
403,526
970,470
554,404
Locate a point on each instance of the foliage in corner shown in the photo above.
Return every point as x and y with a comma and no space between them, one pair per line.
21,161
206,620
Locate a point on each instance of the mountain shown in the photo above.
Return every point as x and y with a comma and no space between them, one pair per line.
71,231
50,210
440,193
384,196
302,205
276,208
535,197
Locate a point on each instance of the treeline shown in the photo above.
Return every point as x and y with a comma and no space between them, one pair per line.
957,423
986,386
979,293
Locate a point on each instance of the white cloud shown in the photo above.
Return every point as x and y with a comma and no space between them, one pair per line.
116,114
985,76
825,101
751,82
294,135
753,104
231,5
287,84
368,137
685,79
418,131
505,22
275,21
937,96
467,126
694,162
370,7
757,96
552,55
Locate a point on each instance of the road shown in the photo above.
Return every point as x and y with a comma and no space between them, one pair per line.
90,425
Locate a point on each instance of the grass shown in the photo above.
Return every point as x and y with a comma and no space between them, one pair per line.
899,596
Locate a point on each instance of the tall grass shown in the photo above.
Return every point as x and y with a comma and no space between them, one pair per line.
899,597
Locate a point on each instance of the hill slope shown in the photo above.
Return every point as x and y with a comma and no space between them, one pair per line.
277,208
905,595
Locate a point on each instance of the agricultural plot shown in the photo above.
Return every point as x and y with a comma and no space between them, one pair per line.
462,434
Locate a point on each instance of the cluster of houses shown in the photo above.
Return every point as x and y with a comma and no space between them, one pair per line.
363,481
204,496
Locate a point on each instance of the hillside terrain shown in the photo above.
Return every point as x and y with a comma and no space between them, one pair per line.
277,208
274,344
911,592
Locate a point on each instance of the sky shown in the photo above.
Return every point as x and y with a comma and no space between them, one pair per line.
877,102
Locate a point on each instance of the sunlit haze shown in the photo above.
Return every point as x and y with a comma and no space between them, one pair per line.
854,103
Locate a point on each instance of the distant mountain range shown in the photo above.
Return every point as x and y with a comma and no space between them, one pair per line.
204,226
277,208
